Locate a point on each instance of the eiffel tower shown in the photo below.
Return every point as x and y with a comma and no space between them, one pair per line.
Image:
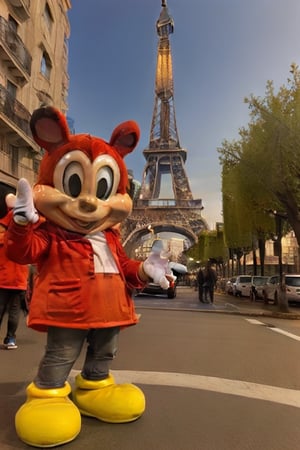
154,210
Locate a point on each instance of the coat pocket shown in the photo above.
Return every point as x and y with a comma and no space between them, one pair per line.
65,300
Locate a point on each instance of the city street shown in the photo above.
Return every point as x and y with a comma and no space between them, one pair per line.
219,381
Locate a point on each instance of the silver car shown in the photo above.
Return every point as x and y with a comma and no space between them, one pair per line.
258,283
292,285
271,289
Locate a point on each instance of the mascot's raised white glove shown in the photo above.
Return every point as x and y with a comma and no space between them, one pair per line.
22,204
156,266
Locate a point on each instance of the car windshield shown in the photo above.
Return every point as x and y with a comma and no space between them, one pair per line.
258,281
273,280
245,279
292,281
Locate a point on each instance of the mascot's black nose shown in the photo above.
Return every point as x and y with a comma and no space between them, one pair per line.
87,205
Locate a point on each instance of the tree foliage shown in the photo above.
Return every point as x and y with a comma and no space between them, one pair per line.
210,247
261,170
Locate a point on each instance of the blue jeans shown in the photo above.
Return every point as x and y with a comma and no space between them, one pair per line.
10,301
63,348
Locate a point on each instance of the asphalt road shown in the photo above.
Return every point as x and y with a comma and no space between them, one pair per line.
212,382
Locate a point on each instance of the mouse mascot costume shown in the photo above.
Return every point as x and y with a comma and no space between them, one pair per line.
67,226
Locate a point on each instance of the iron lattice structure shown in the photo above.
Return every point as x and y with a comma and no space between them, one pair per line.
165,161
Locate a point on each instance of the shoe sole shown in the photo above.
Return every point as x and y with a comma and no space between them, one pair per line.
104,419
8,347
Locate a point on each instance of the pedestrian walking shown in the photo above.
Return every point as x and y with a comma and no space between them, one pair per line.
209,283
199,282
13,285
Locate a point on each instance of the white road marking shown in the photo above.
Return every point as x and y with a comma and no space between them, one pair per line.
254,322
285,333
277,330
290,397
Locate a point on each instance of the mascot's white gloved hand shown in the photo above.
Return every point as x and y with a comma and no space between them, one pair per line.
156,266
22,204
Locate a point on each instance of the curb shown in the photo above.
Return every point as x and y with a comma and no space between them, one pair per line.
237,312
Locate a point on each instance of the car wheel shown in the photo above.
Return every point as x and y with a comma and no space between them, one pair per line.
275,298
171,293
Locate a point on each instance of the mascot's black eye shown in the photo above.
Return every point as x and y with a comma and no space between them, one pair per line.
72,179
74,185
105,180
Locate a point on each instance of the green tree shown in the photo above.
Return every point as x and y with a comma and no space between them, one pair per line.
210,247
274,139
237,219
261,171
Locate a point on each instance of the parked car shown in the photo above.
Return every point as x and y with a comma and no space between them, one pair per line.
229,286
258,283
242,286
292,284
271,289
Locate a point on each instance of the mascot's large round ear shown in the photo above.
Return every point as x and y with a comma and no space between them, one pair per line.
49,128
125,137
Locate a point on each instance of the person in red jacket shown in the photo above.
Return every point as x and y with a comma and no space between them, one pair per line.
13,285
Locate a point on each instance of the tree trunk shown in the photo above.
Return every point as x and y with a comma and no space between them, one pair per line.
294,221
262,252
254,261
283,305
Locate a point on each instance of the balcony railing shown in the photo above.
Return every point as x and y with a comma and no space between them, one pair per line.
163,203
14,44
14,111
21,8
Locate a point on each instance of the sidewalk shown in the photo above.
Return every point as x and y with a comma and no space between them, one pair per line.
187,299
243,305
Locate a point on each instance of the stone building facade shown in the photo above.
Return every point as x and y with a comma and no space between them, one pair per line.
33,72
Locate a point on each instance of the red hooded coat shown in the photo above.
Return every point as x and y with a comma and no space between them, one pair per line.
67,291
12,275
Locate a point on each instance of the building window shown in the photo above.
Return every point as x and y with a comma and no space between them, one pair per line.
12,89
13,24
48,17
36,165
14,160
46,65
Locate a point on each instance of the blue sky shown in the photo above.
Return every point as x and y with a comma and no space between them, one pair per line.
222,52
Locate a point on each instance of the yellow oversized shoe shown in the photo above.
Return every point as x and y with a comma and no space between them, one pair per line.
107,401
48,417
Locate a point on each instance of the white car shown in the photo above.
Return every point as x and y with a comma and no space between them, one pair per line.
292,285
271,289
242,286
229,286
258,283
